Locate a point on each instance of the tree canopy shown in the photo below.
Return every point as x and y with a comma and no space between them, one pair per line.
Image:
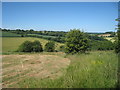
76,42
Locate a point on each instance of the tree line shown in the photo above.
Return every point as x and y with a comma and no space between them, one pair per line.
93,41
77,41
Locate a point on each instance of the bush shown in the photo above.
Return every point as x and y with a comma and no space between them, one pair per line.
29,46
26,46
76,42
50,47
36,46
102,45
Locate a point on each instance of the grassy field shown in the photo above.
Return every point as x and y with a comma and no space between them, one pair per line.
42,35
8,34
10,44
112,39
97,69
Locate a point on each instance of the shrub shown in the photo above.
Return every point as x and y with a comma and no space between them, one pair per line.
76,42
50,47
29,46
26,46
36,46
102,45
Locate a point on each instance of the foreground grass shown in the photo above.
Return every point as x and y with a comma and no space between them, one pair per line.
95,70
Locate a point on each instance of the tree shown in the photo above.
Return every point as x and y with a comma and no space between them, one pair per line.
26,47
36,46
29,46
117,42
117,47
76,42
50,46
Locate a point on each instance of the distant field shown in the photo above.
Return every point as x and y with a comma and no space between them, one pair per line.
56,70
8,34
112,39
42,35
10,44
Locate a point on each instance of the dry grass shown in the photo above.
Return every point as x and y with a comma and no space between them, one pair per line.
19,67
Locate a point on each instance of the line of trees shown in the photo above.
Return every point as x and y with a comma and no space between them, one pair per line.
31,31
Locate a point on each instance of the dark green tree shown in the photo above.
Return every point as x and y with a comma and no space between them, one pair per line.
117,47
36,46
50,47
26,47
29,46
76,41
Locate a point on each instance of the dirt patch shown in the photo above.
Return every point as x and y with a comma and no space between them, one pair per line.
39,66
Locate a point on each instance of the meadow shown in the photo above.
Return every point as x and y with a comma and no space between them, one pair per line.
112,39
97,69
10,44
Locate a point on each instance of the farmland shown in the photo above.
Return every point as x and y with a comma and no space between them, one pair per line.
112,39
56,70
10,44
95,69
60,45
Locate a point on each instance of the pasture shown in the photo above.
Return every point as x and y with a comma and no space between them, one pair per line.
112,39
9,34
10,44
97,69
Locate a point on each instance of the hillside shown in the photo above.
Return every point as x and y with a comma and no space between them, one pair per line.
10,44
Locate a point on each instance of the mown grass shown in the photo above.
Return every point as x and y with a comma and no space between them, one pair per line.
112,39
95,70
10,44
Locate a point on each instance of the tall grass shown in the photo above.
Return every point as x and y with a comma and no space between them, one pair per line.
95,70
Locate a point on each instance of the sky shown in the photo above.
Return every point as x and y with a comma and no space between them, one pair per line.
60,16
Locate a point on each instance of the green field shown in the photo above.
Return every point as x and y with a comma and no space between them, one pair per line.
112,39
97,69
56,70
10,44
8,34
42,35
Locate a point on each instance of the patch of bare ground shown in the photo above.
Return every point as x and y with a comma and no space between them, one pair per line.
19,67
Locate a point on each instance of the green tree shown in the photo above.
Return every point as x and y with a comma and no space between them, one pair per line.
117,47
26,47
29,46
36,46
76,41
50,46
